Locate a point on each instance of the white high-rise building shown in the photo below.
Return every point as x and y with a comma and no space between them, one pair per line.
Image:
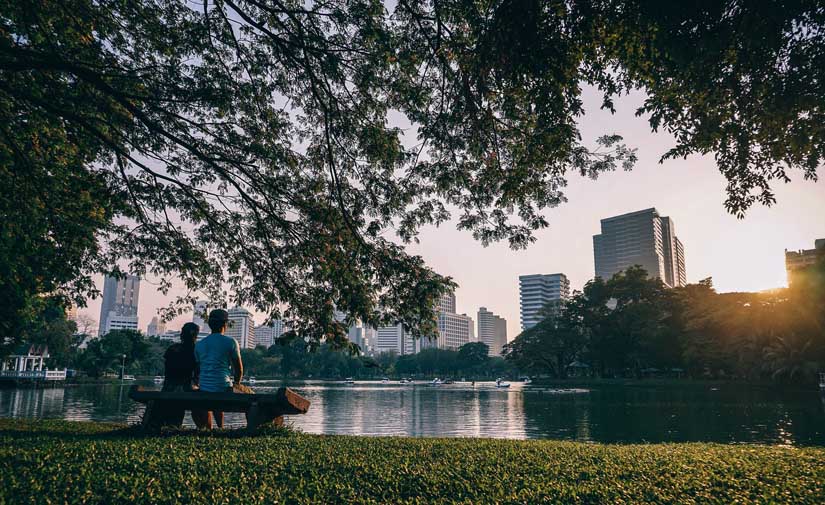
119,307
454,330
641,238
241,327
492,330
537,291
156,327
266,335
390,339
369,336
200,313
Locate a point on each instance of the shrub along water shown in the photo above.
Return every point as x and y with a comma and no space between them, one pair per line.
64,462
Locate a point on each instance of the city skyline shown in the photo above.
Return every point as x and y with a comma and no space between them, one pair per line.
690,191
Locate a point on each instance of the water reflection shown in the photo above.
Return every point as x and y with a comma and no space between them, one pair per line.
598,414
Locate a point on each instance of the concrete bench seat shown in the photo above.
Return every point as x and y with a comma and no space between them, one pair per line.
260,409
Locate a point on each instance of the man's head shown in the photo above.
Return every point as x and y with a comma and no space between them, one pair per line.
217,320
189,333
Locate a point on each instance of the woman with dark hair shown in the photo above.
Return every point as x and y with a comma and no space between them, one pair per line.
181,373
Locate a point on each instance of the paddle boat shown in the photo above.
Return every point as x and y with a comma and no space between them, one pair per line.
501,384
436,382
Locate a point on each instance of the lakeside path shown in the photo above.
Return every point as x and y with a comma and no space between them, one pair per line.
73,462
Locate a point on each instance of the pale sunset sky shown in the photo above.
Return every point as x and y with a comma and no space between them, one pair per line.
740,255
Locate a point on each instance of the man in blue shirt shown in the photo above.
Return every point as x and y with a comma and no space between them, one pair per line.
219,360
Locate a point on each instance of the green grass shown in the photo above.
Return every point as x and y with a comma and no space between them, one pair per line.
64,462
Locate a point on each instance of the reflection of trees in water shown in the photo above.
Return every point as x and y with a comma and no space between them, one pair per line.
102,403
605,414
629,414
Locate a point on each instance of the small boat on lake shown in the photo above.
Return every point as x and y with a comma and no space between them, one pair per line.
406,380
349,380
385,380
501,384
252,381
128,377
436,382
158,379
526,380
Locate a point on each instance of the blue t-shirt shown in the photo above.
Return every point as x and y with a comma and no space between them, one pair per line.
214,355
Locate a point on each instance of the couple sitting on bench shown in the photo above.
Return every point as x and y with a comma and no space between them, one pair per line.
212,365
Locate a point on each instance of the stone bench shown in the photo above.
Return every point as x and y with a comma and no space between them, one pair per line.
260,409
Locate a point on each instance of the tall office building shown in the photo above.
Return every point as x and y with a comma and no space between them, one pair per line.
369,336
454,330
241,327
156,327
119,307
391,339
538,291
640,238
397,340
797,261
266,335
492,330
200,313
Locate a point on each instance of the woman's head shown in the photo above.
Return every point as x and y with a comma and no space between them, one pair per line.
189,333
217,320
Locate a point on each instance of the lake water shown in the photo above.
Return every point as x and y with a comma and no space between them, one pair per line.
728,414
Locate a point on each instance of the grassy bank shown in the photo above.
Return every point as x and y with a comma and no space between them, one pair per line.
63,462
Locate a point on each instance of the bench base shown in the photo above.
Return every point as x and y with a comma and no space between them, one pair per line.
261,410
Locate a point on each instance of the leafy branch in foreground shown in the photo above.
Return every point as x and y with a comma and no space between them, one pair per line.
247,145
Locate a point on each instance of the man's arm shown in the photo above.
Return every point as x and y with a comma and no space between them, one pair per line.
237,366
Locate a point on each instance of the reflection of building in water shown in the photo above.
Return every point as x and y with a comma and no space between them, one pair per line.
36,403
501,414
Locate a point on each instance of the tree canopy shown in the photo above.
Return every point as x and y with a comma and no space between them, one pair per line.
631,323
254,148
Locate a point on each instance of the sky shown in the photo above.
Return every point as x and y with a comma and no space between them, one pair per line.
739,254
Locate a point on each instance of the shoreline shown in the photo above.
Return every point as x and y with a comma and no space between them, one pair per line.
107,463
541,382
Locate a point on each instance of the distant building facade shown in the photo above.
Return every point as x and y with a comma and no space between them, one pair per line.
537,291
796,261
200,313
492,330
156,327
640,238
391,339
241,327
454,330
119,307
266,335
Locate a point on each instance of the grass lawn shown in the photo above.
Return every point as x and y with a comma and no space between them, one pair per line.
65,462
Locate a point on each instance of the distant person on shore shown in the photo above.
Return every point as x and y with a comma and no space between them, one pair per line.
181,374
219,359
